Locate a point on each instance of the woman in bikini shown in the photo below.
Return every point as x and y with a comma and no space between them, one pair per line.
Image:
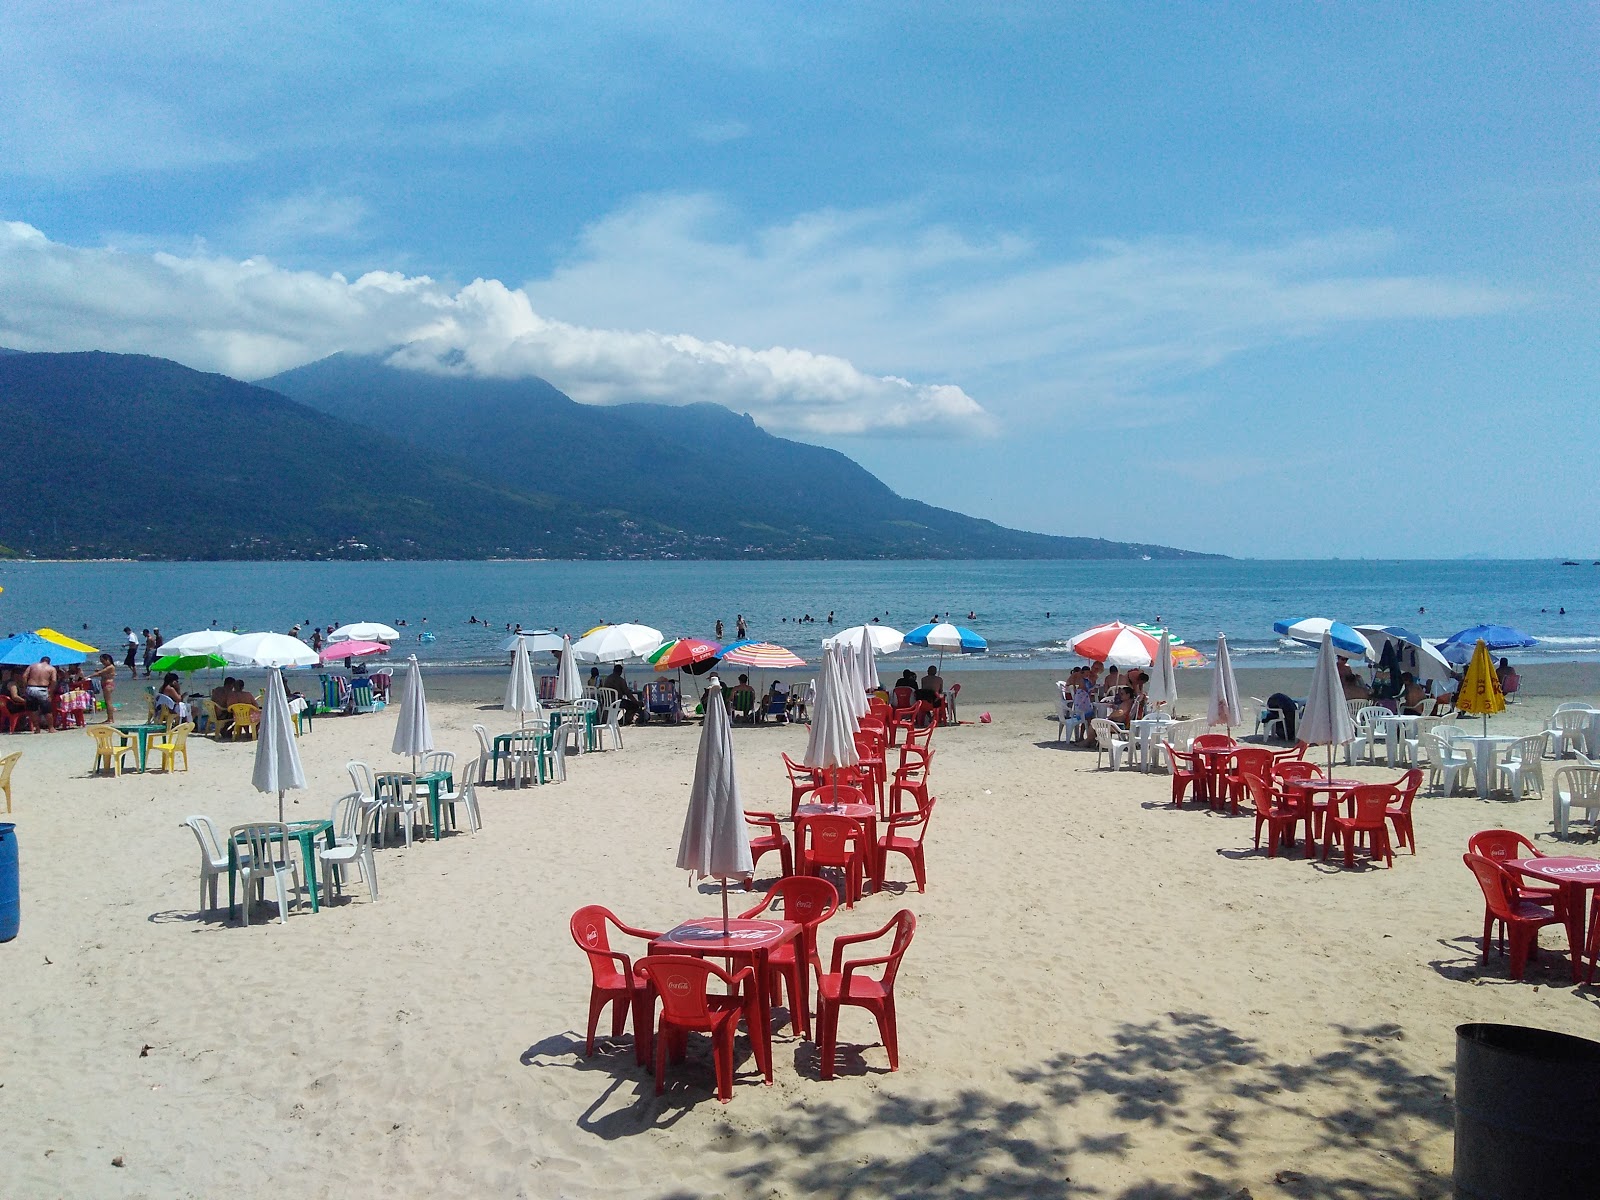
105,675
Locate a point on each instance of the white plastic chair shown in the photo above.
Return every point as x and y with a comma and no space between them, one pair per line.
558,748
403,804
587,713
485,751
1446,763
1268,719
612,714
361,776
1569,729
1524,764
346,814
1110,739
213,857
1370,727
1413,740
271,857
1063,710
1575,787
357,852
464,793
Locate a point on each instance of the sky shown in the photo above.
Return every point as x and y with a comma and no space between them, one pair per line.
1263,280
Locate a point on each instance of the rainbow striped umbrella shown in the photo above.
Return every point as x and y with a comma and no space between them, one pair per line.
685,654
762,655
1182,655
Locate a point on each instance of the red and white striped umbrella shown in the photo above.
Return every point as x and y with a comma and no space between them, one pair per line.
1117,645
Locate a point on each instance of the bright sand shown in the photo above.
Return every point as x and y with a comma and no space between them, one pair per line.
1105,996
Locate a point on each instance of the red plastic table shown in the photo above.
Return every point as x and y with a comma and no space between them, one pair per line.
1213,762
754,938
867,814
1301,792
1575,877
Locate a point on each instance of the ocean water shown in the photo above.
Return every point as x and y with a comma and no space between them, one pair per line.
1026,610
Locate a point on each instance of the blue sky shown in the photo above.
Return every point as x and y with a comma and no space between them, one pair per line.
1268,280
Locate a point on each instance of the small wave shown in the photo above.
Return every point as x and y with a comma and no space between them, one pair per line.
1591,641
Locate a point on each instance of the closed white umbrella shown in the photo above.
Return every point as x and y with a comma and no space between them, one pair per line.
569,685
616,643
412,733
277,766
884,639
1223,707
365,631
869,661
268,650
715,842
1327,717
201,641
831,741
522,696
1163,676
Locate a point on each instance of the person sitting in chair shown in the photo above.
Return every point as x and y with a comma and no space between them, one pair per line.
1354,689
1510,681
170,699
1413,696
627,699
931,689
742,699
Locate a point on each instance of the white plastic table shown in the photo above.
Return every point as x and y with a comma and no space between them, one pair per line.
1396,727
1483,751
1146,732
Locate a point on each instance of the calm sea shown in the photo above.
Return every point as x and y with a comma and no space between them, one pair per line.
1025,609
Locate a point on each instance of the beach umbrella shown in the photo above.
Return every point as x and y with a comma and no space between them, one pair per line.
1460,647
1308,631
267,650
25,649
831,741
884,639
615,643
67,643
569,687
1223,707
534,639
694,655
762,655
364,631
412,733
1480,694
334,651
1327,717
1163,677
522,695
868,661
1416,655
715,842
1183,654
942,636
277,766
185,663
1116,645
201,641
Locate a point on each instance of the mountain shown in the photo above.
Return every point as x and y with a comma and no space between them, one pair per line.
696,467
142,457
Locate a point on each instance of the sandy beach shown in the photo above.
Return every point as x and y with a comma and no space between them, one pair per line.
1106,996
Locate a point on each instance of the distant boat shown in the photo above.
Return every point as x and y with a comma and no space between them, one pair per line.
1569,563
1144,558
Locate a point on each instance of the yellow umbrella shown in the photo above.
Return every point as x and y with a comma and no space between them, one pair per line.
61,639
1479,694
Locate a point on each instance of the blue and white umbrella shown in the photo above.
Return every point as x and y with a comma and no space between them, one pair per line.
1415,654
1458,647
1308,631
945,636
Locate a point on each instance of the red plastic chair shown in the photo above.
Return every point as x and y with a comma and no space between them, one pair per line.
1248,761
1294,753
847,983
909,781
1500,846
903,715
1522,918
828,793
1185,771
871,756
1400,811
905,836
835,841
800,779
688,1007
808,902
1293,768
767,842
615,979
1370,821
1279,818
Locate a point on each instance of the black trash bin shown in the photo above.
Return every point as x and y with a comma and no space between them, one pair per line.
1527,1114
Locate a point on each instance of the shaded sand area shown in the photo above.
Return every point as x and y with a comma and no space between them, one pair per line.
1106,997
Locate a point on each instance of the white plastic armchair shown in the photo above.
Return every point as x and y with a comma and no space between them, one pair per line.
271,857
1446,762
1268,719
1371,729
1572,788
1524,765
213,857
485,750
1110,739
1569,729
357,852
1063,709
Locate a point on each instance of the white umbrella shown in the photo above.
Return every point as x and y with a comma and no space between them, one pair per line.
1163,676
268,650
277,767
715,842
614,643
1327,719
569,686
412,733
831,740
202,641
1223,708
365,631
1416,655
533,639
884,639
522,696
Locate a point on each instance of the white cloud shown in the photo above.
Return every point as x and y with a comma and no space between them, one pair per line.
252,318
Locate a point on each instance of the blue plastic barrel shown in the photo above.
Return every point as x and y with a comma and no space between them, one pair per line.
10,903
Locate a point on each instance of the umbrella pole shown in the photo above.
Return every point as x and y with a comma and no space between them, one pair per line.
724,908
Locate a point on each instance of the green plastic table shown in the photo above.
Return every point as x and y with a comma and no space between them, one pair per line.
558,715
304,832
541,739
430,779
143,732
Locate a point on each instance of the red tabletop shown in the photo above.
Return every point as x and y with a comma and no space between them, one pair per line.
1323,785
1580,872
856,812
704,935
